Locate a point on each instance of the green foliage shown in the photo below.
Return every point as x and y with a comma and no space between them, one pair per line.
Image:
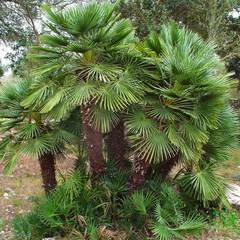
25,129
221,142
228,218
172,93
204,186
24,226
187,97
57,212
1,71
189,224
203,183
223,220
113,186
172,221
141,202
88,47
2,223
76,205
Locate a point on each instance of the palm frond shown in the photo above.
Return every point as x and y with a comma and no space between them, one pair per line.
29,131
103,120
53,41
36,147
82,93
137,123
108,100
164,231
52,101
139,202
204,185
155,147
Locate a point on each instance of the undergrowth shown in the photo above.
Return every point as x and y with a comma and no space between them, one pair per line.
107,210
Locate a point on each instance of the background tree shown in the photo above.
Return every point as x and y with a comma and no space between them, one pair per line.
20,27
146,15
1,70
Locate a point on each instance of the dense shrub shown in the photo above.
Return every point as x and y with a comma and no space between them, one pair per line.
108,207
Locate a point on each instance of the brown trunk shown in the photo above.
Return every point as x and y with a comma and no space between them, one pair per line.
166,167
47,165
116,145
140,169
93,140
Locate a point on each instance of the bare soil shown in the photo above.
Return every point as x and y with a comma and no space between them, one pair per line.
16,190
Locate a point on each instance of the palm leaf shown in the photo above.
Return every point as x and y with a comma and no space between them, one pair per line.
36,147
82,93
139,124
103,120
203,185
155,147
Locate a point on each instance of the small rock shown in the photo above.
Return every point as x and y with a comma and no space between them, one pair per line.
26,198
10,191
6,195
233,194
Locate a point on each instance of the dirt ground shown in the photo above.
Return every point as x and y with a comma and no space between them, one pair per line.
16,190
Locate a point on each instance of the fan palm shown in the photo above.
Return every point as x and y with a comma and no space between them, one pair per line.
26,132
201,180
87,43
171,218
187,92
164,231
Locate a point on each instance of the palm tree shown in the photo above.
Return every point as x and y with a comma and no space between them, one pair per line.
85,42
27,132
116,144
180,111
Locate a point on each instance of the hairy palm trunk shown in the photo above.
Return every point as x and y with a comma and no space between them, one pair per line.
47,165
166,166
93,139
116,145
140,169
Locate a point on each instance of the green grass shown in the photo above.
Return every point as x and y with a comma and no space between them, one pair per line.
2,224
226,223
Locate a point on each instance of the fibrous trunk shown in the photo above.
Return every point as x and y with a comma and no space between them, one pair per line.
166,166
116,145
140,169
93,139
47,165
